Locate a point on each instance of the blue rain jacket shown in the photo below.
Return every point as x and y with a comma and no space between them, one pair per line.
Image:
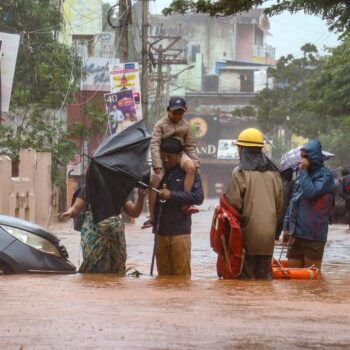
312,199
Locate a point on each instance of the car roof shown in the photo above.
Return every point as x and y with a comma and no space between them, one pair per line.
28,226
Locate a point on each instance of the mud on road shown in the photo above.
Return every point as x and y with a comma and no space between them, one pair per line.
106,312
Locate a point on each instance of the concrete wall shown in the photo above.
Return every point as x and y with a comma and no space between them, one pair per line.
28,196
215,35
245,42
229,82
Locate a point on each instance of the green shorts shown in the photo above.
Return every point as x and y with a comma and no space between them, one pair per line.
300,248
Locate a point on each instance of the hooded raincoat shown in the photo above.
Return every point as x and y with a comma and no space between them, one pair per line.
308,212
255,190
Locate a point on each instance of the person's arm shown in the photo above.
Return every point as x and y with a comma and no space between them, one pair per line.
194,197
75,209
190,147
135,209
236,189
156,140
313,188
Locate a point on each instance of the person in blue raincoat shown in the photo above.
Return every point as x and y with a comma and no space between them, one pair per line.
307,218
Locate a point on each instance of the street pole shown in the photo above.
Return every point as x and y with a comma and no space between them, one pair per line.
159,93
145,53
123,30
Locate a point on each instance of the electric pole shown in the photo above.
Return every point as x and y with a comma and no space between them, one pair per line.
124,21
160,82
145,54
164,56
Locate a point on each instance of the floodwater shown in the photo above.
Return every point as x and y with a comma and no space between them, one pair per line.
106,312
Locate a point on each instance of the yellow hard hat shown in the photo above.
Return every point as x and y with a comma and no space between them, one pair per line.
251,138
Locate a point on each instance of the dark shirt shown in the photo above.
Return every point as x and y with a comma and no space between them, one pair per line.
173,221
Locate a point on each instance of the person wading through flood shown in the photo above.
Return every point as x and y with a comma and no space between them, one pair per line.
173,250
173,125
103,244
307,218
255,190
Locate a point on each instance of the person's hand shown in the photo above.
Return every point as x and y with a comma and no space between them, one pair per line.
304,164
142,192
72,212
157,170
165,194
285,236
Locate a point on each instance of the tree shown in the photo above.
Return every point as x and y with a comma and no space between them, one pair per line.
285,103
313,93
45,79
335,12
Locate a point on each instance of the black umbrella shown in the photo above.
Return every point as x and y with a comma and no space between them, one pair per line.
115,170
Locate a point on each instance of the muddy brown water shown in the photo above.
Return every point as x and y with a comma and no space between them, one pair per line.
106,312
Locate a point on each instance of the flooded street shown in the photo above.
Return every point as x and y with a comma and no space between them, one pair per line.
106,312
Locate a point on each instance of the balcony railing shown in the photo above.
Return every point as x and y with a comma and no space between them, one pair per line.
264,51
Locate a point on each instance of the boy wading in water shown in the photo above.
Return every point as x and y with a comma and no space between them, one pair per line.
173,125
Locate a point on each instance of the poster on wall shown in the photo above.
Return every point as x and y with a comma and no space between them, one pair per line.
124,77
121,110
227,149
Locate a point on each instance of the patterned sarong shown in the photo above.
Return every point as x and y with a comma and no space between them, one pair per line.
103,245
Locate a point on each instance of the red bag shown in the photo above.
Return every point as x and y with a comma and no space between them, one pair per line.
226,239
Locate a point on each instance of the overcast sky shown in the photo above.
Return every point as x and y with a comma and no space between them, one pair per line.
289,32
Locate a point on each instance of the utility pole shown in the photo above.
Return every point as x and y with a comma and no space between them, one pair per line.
124,21
160,84
164,56
145,54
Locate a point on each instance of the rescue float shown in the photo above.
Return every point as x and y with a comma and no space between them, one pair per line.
282,271
226,239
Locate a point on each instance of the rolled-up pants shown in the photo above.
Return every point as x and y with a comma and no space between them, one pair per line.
173,255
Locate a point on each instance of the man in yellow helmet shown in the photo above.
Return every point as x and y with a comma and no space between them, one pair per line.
255,190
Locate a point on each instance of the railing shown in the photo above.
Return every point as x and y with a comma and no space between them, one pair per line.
264,51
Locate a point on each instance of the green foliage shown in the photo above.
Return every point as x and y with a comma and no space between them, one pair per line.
285,103
311,97
279,147
335,12
45,78
246,111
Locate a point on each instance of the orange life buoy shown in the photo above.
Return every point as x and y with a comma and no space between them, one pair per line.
282,271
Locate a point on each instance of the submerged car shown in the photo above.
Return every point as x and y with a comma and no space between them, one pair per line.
27,247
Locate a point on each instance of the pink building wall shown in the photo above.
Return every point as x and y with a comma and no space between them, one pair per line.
245,42
28,196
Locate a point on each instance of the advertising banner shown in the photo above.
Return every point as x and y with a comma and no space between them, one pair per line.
8,55
121,110
227,149
83,17
126,76
95,74
205,129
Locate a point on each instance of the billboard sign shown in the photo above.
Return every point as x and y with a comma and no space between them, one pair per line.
121,110
96,74
227,149
126,76
205,130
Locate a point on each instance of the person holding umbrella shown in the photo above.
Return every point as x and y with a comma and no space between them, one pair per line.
114,171
103,244
307,218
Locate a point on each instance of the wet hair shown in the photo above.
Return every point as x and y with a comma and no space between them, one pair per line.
171,145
